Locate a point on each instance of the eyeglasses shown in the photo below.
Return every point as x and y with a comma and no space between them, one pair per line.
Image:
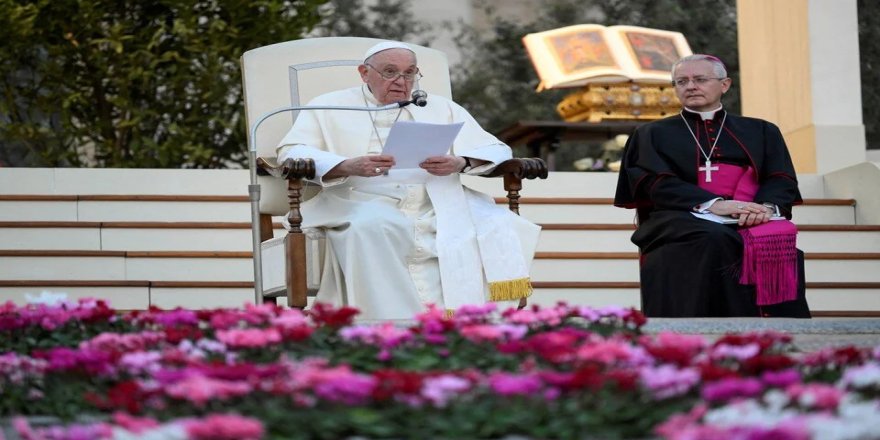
699,80
389,74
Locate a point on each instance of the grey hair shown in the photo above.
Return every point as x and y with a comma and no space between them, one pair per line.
717,65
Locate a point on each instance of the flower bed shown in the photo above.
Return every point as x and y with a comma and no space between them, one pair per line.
560,372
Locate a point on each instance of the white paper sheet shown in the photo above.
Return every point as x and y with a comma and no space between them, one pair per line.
412,142
723,219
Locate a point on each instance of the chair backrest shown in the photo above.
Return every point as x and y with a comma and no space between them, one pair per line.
294,72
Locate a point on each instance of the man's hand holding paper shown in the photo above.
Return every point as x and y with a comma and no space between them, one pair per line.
423,145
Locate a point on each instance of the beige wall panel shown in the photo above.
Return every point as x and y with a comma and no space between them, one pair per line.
802,146
774,61
775,81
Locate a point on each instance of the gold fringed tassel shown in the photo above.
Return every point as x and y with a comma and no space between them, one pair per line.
510,290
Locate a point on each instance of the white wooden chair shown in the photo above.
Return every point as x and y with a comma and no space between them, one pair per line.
291,74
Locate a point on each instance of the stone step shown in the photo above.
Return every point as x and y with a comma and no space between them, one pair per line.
89,181
218,208
236,236
809,335
237,266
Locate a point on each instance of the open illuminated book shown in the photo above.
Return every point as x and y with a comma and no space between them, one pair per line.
590,53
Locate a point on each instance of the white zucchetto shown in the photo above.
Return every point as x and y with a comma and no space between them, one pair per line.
385,45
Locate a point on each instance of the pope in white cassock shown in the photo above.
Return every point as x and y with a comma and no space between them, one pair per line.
400,239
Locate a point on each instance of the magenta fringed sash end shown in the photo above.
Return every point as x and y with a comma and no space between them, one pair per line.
770,261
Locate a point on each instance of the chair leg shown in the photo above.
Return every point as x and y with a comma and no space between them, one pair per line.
297,287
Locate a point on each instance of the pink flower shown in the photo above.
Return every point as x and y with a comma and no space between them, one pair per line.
434,321
507,384
16,368
200,389
678,423
439,390
91,361
341,385
117,343
815,395
739,352
726,389
385,335
249,337
141,361
224,427
537,316
668,381
493,333
290,319
134,424
610,352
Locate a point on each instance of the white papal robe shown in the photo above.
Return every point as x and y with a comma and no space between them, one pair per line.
407,239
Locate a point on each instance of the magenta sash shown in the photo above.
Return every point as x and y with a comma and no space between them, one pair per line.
769,249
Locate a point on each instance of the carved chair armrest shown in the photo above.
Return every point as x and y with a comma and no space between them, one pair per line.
521,168
514,171
289,169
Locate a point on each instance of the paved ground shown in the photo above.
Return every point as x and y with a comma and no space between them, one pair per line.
809,334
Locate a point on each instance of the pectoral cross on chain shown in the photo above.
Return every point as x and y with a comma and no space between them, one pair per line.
708,169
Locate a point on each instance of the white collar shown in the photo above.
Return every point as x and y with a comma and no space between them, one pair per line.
706,115
368,94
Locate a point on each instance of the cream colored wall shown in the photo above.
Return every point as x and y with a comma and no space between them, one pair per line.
799,68
774,58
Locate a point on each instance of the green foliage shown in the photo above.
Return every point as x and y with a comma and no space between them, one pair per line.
115,83
497,81
869,51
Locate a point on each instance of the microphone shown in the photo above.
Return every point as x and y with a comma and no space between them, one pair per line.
419,98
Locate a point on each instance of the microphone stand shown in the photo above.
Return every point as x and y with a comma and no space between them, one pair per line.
254,188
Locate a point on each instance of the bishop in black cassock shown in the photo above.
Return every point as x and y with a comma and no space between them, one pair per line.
691,267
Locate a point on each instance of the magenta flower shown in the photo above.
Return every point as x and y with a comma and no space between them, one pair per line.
730,388
508,384
171,318
782,378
